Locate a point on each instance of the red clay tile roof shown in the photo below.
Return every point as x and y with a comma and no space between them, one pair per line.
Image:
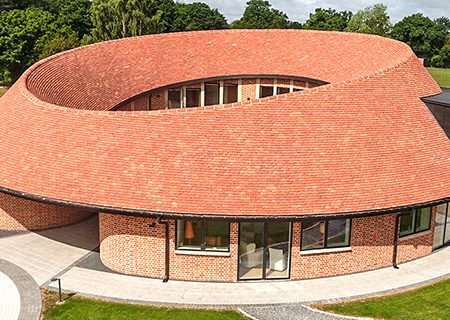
364,142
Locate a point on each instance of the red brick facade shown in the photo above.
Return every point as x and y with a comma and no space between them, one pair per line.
133,246
17,214
157,99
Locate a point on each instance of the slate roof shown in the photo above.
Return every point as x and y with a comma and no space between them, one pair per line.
363,142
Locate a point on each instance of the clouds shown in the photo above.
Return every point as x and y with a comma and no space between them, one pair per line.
299,10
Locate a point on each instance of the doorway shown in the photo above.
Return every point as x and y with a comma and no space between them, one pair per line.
264,250
441,226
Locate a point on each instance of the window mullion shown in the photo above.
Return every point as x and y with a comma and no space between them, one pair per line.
203,236
325,234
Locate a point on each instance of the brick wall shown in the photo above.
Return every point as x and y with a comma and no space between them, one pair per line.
21,214
248,89
372,241
158,102
131,245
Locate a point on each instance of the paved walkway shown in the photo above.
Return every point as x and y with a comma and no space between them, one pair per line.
20,297
66,253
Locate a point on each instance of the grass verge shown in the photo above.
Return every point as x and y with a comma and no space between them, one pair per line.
441,76
431,302
75,308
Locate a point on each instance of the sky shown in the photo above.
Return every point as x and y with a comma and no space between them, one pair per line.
299,10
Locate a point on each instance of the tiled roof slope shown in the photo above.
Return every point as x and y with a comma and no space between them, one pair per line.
364,142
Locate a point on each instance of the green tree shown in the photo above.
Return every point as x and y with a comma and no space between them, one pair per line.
57,44
114,19
23,34
259,14
422,34
199,16
21,4
76,16
328,19
442,60
373,20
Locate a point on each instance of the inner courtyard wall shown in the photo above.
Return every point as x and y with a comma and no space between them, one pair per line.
18,214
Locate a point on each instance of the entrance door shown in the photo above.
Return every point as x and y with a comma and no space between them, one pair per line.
264,250
441,226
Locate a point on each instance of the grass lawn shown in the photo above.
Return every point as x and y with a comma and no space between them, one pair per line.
76,308
431,302
2,92
442,76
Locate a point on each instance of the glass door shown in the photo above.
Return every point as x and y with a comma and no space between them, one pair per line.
264,250
278,250
441,226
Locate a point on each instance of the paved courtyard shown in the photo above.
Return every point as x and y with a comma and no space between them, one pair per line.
69,253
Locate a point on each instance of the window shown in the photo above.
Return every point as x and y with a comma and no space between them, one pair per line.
320,234
265,91
192,97
212,91
283,90
203,235
174,98
230,93
414,221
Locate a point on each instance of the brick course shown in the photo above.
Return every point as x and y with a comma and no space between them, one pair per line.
130,245
18,214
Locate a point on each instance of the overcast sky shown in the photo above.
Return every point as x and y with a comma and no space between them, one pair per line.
299,10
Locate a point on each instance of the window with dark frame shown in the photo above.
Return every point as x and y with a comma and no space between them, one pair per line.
415,221
283,90
193,97
203,235
174,98
265,91
212,93
322,234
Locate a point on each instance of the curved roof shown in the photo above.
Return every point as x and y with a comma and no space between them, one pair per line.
363,142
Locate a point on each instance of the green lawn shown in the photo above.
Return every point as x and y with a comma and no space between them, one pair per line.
430,302
442,76
76,308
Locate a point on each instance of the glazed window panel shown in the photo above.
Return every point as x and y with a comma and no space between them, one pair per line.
320,234
407,224
283,90
265,91
192,97
174,96
313,234
217,235
203,235
423,217
338,233
212,92
189,234
414,221
230,93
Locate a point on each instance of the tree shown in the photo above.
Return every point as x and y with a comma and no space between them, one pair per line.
442,60
422,34
21,4
57,44
76,15
328,19
259,14
198,16
23,34
373,20
115,19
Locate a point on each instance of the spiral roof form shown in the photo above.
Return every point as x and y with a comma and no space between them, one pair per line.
364,142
